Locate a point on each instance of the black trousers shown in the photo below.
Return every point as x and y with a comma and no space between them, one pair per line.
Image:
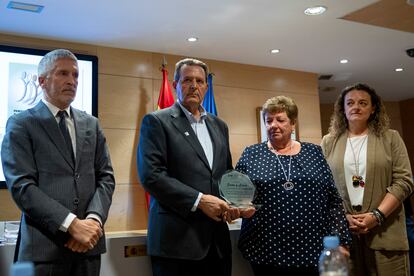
73,266
211,265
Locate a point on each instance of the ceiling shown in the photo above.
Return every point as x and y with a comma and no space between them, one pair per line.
373,35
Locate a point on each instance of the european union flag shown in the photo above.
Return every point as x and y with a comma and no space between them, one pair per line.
209,104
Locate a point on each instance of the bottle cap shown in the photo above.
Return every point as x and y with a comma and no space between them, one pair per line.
331,242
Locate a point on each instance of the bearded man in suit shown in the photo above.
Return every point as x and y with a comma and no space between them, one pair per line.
182,154
58,170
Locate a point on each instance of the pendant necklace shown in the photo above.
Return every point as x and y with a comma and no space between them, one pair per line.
288,185
357,179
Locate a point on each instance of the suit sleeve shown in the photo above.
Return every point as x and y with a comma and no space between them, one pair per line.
336,220
19,166
402,180
229,159
326,145
104,178
153,171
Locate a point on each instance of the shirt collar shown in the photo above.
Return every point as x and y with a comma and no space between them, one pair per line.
190,116
54,109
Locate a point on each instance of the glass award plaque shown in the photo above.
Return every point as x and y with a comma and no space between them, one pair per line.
237,189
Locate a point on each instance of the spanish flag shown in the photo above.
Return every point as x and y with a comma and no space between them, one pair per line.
165,98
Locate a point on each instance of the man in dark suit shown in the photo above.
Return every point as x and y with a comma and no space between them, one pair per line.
58,170
182,154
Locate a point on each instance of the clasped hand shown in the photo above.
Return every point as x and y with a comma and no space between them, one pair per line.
219,210
361,223
85,234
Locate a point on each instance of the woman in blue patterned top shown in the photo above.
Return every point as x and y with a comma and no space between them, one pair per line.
299,202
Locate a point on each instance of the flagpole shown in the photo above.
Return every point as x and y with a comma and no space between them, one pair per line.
164,63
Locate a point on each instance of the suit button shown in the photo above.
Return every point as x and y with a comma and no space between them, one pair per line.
76,201
77,175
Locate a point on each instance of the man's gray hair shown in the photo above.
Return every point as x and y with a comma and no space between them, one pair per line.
189,61
47,63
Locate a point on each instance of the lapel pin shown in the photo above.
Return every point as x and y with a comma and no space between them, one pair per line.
186,133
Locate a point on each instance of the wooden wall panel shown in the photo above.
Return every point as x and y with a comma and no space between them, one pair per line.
123,147
158,59
123,62
238,142
123,101
309,116
326,113
32,42
393,111
8,209
128,210
236,75
314,140
263,78
244,103
237,107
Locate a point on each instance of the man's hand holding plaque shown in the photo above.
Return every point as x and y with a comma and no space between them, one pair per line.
238,191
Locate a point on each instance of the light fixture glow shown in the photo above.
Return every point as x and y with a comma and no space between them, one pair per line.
317,10
25,7
399,69
275,51
343,61
192,39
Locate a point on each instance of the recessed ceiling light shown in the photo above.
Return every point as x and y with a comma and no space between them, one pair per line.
343,61
275,51
192,39
399,69
25,7
317,10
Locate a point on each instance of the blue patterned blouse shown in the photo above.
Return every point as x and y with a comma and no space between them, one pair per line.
289,228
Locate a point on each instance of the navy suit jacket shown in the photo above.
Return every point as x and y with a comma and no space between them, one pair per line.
46,184
173,168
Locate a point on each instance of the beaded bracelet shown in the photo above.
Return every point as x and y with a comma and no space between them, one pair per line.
381,213
379,216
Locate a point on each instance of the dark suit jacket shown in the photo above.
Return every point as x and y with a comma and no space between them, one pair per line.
45,183
174,169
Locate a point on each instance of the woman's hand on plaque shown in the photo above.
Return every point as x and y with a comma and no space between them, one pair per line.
247,212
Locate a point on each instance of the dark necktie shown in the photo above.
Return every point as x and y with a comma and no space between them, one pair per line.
65,132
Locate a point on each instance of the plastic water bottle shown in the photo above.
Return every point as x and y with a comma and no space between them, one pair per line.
332,262
22,269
